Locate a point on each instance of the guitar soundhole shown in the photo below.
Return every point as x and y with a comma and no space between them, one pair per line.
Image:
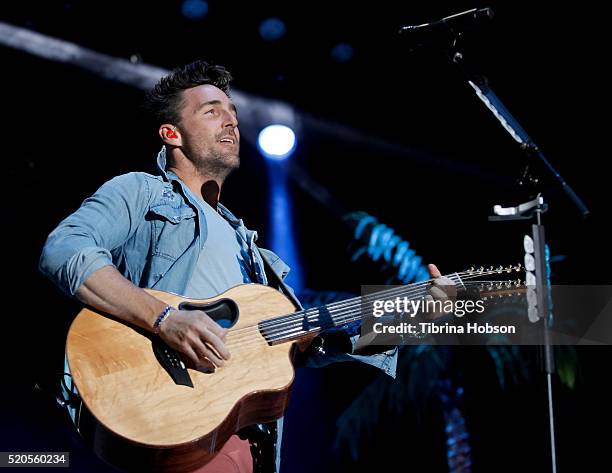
223,311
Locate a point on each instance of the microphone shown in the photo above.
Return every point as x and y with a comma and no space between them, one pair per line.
452,22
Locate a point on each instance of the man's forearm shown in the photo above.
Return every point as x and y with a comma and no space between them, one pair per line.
107,290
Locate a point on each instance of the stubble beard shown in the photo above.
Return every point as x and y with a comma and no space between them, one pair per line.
211,162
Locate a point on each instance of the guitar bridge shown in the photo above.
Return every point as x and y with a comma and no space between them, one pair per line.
170,360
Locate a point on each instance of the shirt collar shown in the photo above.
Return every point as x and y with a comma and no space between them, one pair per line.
162,162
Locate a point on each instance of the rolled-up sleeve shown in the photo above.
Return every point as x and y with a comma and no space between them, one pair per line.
82,243
332,353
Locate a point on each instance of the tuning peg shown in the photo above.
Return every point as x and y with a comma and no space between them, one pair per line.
500,268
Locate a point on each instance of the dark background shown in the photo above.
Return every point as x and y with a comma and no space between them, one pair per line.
67,131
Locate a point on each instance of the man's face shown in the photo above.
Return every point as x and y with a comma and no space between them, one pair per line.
209,130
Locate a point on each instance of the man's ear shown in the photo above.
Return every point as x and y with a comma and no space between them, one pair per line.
170,135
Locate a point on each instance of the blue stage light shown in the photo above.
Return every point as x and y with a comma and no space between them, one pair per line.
272,29
281,235
194,9
276,141
342,52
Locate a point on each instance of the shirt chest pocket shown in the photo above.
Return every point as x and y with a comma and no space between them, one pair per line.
173,229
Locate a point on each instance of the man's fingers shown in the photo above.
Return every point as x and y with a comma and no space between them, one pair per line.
438,293
213,326
206,366
433,271
204,352
446,285
189,353
208,337
443,281
198,337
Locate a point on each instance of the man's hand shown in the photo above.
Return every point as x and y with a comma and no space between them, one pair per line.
196,335
192,333
441,289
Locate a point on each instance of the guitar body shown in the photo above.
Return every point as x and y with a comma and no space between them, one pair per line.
134,414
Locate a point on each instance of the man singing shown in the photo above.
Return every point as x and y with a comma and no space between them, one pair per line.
170,232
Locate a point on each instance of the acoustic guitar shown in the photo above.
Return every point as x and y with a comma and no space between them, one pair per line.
143,409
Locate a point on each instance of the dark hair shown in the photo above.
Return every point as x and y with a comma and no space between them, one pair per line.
165,100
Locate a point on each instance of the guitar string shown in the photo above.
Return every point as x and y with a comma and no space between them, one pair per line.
340,315
279,320
259,339
275,324
285,325
278,324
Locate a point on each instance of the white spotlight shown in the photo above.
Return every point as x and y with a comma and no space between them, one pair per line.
276,141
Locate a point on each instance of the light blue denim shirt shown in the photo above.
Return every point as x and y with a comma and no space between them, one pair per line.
150,229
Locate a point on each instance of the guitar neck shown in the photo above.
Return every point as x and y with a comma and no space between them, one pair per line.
309,322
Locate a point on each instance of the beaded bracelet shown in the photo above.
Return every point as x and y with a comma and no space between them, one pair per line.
161,318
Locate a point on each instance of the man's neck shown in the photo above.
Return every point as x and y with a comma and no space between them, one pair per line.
207,188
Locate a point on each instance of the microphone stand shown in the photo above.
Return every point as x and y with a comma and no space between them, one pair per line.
536,207
537,280
483,91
